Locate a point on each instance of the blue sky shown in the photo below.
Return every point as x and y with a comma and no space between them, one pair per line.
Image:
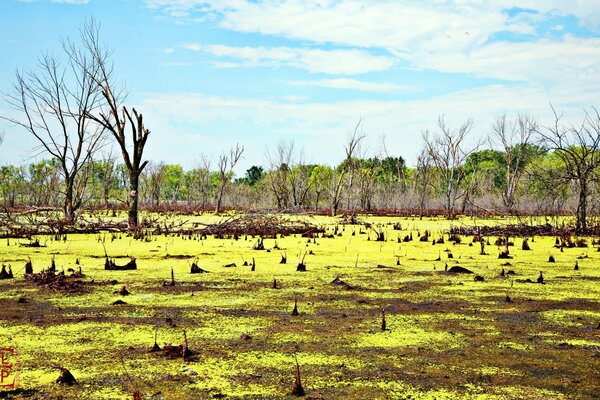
208,74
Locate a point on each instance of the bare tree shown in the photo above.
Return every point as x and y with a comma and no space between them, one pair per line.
205,180
578,148
155,179
423,180
279,170
352,144
114,116
226,164
54,104
448,154
198,182
514,137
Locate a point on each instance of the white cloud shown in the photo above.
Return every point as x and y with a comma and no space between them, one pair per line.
545,61
211,124
353,14
446,35
321,127
346,62
353,84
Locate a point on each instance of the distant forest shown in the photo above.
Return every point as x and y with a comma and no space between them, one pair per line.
529,176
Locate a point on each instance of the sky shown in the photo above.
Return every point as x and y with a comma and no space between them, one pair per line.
209,74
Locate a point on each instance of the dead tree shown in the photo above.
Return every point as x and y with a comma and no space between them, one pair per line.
54,104
226,164
514,137
114,117
352,144
279,171
424,180
448,154
578,149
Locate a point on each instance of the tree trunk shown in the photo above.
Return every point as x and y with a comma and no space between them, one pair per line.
334,209
133,199
219,199
581,223
68,209
106,196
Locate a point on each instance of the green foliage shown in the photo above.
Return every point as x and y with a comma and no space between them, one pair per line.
253,175
173,177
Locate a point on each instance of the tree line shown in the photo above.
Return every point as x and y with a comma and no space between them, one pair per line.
76,111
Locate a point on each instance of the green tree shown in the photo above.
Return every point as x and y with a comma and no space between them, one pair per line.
12,184
105,178
254,174
321,178
172,182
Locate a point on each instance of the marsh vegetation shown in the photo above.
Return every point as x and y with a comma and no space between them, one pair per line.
377,313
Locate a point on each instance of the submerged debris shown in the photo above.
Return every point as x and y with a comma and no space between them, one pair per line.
295,312
195,269
459,270
50,279
110,265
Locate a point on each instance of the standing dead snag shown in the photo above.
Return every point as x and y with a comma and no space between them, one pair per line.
301,266
354,140
185,352
114,117
28,267
53,105
297,389
156,347
6,274
295,312
383,322
66,377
